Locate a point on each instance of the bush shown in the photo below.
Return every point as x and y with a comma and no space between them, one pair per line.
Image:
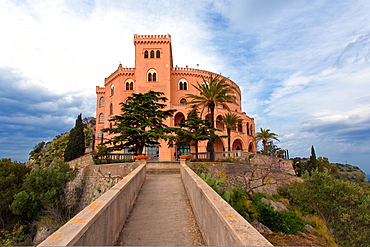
279,221
345,206
244,205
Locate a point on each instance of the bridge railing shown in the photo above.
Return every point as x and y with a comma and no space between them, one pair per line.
100,223
219,223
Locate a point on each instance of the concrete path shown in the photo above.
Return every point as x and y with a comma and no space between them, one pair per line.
162,215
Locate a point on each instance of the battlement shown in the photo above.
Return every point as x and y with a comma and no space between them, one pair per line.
167,36
100,90
151,38
199,73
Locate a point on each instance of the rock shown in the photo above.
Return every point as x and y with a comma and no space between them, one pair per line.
278,206
261,228
41,235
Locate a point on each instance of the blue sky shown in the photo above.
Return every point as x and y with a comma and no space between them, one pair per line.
303,66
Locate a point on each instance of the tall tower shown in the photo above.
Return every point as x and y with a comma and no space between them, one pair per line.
153,62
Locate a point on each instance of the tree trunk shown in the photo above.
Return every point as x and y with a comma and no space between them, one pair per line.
228,138
196,150
211,143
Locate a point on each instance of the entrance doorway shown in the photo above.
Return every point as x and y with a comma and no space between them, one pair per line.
153,152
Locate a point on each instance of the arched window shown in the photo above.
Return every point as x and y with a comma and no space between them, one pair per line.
111,109
183,84
112,90
129,85
102,101
183,101
152,75
101,118
158,54
146,54
240,127
151,54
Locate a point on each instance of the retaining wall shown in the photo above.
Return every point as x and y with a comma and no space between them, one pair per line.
219,223
101,222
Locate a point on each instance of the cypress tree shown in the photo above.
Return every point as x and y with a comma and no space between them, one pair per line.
76,143
312,164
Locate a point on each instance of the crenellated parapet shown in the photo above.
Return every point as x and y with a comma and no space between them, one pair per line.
199,73
120,72
100,90
145,39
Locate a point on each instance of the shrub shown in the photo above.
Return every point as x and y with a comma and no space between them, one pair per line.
345,206
244,205
279,221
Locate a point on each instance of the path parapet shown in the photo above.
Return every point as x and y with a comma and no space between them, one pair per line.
219,223
100,223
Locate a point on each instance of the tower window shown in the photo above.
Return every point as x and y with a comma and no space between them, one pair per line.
152,75
101,118
102,101
151,54
146,54
183,101
111,109
158,54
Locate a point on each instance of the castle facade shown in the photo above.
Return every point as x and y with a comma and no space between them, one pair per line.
154,71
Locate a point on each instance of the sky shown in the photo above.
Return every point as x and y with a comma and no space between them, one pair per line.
303,66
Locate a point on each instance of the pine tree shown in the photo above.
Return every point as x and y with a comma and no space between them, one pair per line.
141,123
76,143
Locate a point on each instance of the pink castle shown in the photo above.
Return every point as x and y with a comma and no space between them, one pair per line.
154,71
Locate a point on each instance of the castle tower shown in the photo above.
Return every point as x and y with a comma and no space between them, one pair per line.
153,62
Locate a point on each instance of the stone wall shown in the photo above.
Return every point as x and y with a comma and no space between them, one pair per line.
258,173
97,179
92,180
82,161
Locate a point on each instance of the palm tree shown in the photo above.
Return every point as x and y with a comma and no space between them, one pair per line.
230,120
265,135
213,92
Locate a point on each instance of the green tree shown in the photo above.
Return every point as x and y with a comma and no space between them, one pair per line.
312,164
141,123
76,142
43,191
194,129
12,175
344,205
230,120
212,93
265,136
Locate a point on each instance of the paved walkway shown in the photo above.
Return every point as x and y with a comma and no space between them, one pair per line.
162,215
